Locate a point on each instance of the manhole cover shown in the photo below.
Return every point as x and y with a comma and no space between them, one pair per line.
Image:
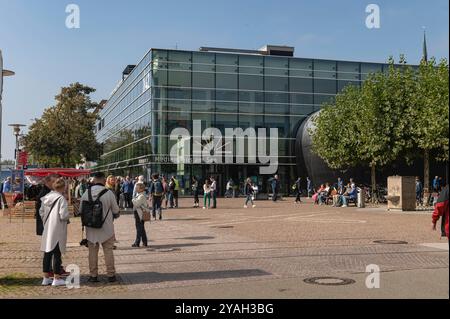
329,281
391,242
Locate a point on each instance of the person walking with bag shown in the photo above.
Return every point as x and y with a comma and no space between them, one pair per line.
156,192
141,215
99,202
55,216
249,191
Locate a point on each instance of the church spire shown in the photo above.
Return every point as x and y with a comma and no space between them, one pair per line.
424,47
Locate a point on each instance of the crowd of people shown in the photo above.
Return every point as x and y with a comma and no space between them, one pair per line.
106,196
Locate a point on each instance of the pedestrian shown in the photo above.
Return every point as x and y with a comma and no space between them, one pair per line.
350,194
229,188
127,190
195,191
340,185
176,190
166,191
80,189
55,215
436,184
207,194
140,206
275,187
3,204
47,187
419,191
110,183
213,192
140,179
103,236
309,187
441,209
248,192
7,185
171,192
156,192
117,192
298,190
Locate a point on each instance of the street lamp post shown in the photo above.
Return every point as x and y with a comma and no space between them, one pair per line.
3,73
16,130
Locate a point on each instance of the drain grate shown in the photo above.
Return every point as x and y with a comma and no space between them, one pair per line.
390,242
329,281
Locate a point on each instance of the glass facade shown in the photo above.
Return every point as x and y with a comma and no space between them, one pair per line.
170,88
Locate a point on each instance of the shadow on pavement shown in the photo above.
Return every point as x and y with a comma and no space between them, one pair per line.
183,219
172,246
155,277
197,237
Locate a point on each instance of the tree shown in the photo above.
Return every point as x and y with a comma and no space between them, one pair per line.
65,132
367,125
334,136
383,126
429,113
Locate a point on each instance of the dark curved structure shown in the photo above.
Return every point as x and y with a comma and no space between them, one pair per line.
309,164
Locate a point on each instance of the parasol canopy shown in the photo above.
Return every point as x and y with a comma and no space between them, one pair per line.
66,172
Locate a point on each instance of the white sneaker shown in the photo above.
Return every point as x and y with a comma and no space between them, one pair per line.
344,206
254,206
245,206
58,282
204,207
47,281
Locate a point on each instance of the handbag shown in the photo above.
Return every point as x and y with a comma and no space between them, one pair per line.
146,215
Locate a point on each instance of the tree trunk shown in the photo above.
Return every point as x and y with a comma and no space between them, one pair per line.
426,175
373,178
426,170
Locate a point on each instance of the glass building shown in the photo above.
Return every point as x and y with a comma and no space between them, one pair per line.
223,88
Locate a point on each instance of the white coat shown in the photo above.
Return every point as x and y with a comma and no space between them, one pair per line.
55,228
140,203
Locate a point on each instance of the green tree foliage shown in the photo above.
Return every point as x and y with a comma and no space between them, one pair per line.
391,116
334,136
429,113
65,132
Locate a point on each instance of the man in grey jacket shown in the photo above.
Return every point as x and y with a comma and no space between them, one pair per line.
102,236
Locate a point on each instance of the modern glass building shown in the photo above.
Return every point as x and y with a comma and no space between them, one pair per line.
223,88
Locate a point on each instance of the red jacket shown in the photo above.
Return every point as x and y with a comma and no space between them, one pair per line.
441,209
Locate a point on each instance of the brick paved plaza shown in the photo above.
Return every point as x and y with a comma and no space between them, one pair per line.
232,252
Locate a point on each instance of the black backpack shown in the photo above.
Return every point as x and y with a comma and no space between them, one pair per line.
92,211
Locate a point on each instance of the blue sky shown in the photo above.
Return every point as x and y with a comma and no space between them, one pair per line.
46,55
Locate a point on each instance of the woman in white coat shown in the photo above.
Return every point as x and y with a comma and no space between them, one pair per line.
140,205
55,216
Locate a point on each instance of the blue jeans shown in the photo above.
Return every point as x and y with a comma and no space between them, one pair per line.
248,198
141,235
156,205
214,199
170,197
345,199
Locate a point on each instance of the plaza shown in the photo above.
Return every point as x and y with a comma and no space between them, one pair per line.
272,251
